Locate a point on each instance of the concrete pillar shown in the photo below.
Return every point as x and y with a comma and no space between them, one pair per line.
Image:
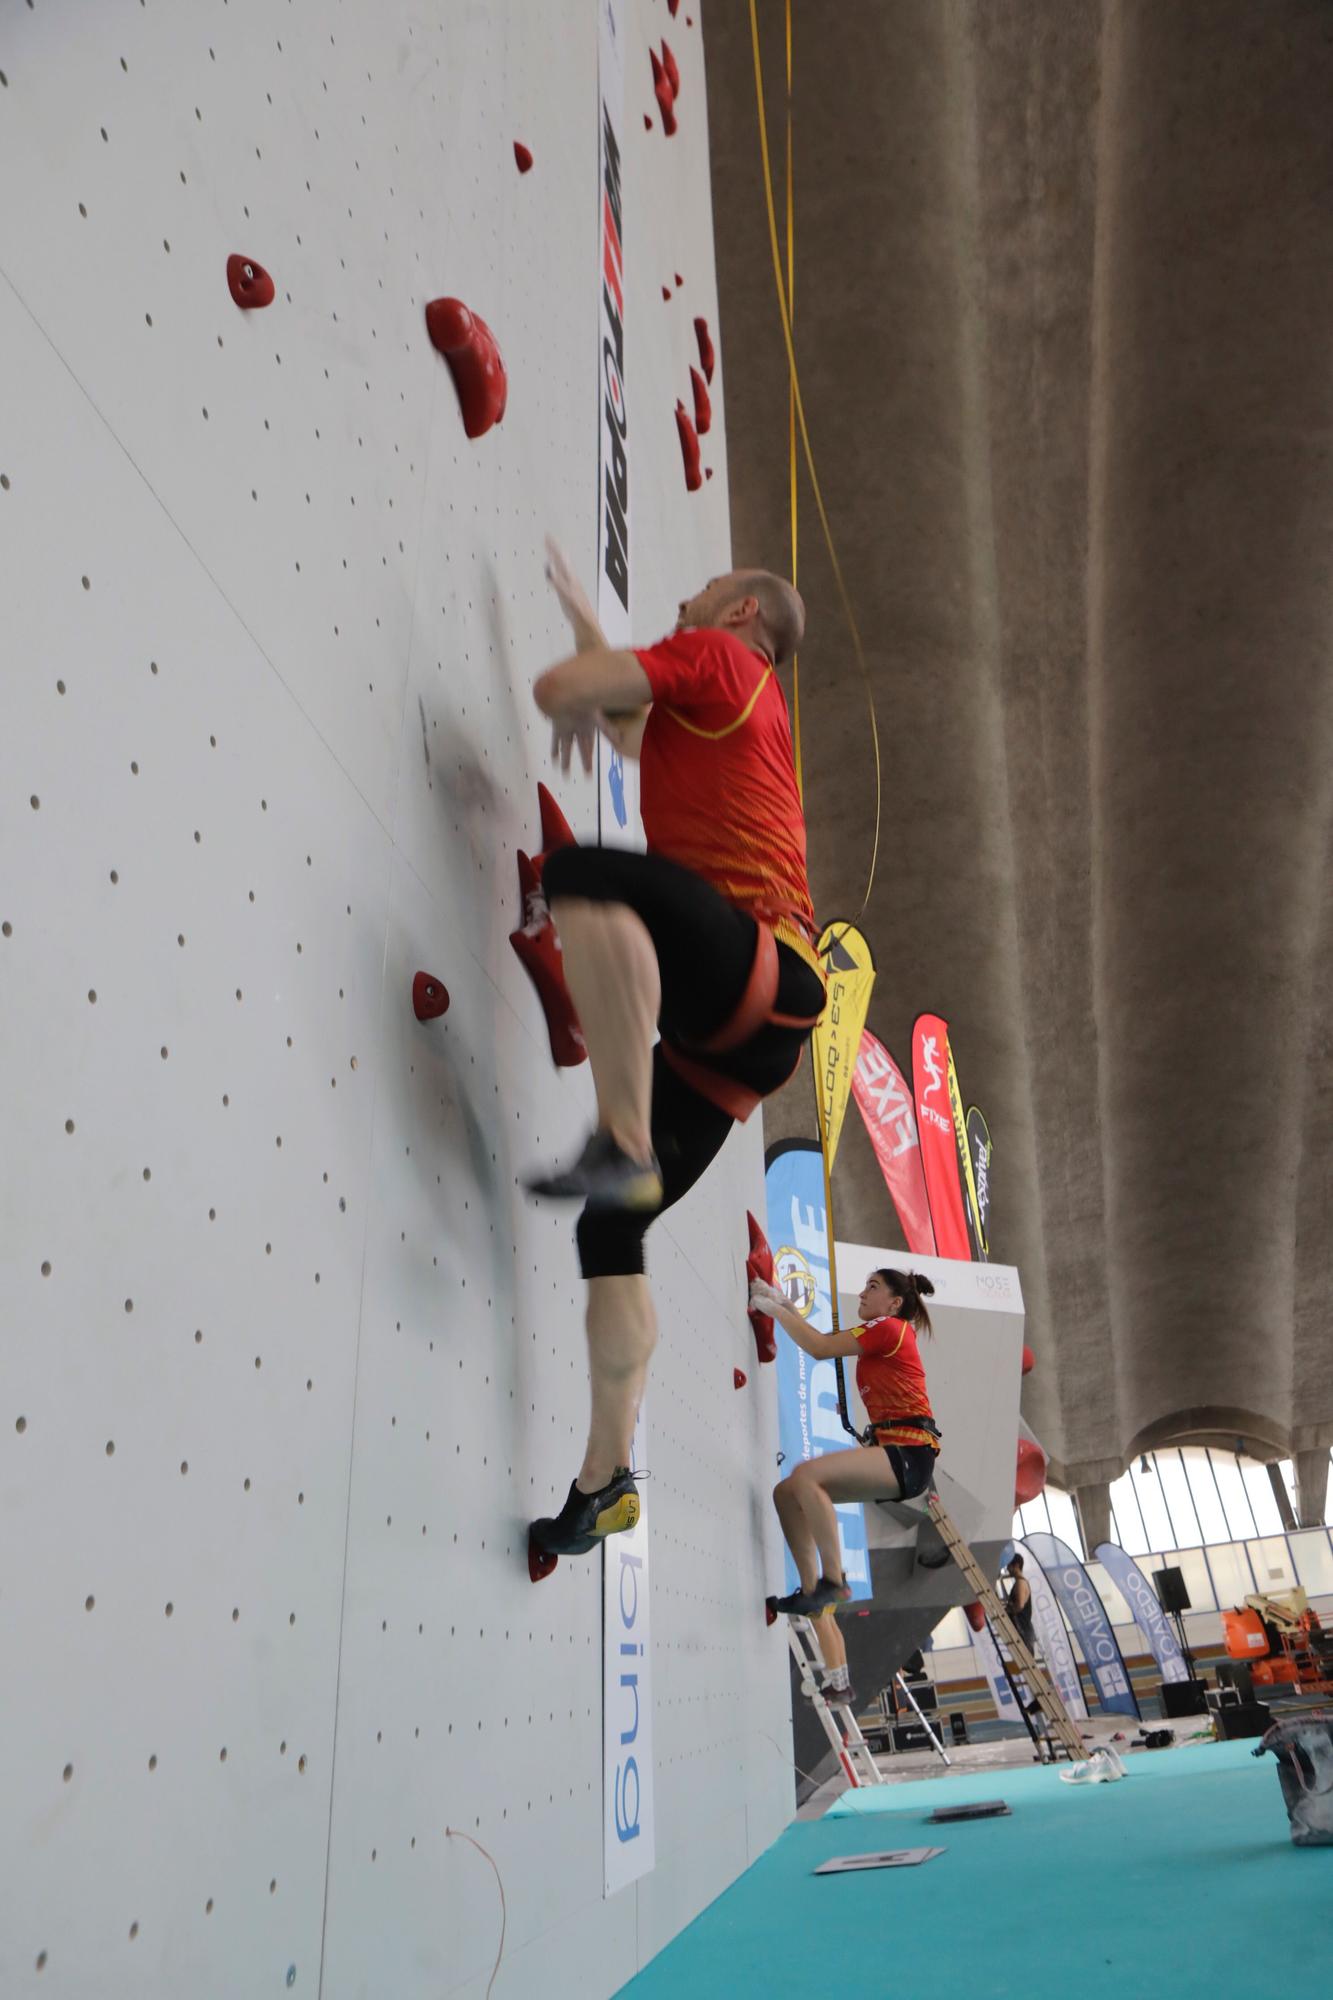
1094,1513
1312,1486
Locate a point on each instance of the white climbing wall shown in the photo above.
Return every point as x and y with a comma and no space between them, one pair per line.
288,1357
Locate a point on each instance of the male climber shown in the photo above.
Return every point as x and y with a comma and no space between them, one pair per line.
709,937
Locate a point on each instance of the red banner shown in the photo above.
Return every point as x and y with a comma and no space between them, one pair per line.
939,1145
885,1103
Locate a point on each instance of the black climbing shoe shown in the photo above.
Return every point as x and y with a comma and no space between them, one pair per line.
809,1603
587,1518
604,1177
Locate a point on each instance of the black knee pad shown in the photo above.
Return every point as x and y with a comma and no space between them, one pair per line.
610,1243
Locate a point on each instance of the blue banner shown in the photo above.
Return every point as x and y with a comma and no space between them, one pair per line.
1087,1621
1147,1613
808,1420
1053,1645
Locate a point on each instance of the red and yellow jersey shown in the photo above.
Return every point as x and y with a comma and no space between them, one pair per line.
718,779
891,1381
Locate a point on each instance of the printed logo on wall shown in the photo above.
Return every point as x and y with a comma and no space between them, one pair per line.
808,1420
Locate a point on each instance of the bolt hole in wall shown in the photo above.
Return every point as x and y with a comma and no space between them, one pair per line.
260,567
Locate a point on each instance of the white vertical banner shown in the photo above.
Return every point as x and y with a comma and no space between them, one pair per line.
616,786
988,1659
627,1701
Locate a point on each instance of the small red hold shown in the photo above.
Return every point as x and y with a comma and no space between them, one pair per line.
523,155
708,472
703,408
470,348
249,283
689,449
430,997
540,1561
738,1378
705,340
1029,1359
666,291
647,122
679,281
672,68
673,7
665,95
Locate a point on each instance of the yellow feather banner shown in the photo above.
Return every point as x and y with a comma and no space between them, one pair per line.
849,968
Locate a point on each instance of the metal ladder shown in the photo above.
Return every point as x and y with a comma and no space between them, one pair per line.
1045,1698
840,1725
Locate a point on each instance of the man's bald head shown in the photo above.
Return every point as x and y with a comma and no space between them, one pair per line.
758,606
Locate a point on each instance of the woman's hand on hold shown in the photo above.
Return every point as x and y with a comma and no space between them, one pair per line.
767,1299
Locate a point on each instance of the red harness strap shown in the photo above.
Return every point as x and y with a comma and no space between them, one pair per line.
754,1010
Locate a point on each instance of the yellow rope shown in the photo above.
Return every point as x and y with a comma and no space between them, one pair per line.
791,425
799,404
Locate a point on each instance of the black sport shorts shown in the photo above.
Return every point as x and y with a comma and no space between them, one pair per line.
705,952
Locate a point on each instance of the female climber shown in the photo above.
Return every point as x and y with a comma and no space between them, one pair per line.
897,1459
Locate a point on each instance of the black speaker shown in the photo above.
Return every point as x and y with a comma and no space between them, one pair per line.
958,1726
910,1736
1183,1698
1171,1592
1252,1718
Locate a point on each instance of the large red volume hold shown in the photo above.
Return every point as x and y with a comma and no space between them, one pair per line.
689,449
523,156
556,830
705,340
703,408
665,95
473,354
249,283
975,1616
538,951
759,1264
1029,1473
672,69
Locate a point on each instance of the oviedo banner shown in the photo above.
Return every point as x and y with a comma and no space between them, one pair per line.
979,1151
885,1103
808,1420
939,1147
849,969
1147,1613
1088,1621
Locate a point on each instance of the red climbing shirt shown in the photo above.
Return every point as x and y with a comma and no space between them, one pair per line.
891,1381
718,779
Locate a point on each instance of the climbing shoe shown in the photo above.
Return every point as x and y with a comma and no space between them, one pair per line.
587,1518
604,1177
809,1603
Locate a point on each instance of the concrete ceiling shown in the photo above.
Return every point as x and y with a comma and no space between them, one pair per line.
1064,316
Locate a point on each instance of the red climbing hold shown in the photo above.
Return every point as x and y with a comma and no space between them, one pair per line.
689,449
975,1616
666,291
249,283
647,122
759,1264
738,1378
679,281
470,348
1029,1473
430,997
708,472
1029,1359
537,948
665,95
523,155
703,408
556,830
705,340
540,1561
672,69
673,7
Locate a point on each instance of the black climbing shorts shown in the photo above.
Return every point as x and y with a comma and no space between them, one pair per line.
913,1467
705,952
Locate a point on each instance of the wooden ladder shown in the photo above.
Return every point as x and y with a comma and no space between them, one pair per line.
1044,1695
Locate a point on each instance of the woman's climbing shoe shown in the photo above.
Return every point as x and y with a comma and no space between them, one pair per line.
583,1521
604,1177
